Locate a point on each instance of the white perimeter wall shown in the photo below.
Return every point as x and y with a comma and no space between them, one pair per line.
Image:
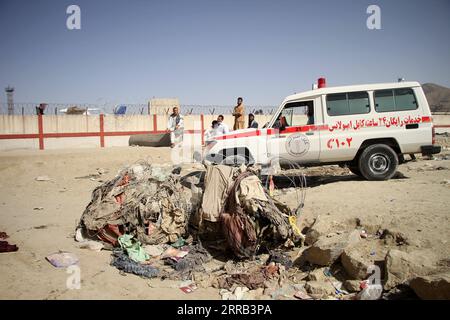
54,124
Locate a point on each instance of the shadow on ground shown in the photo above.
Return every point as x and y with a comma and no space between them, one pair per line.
282,182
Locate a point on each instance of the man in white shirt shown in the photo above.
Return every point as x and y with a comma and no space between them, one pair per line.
176,127
213,131
222,128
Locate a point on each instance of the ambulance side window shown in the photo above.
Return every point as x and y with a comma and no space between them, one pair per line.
395,100
340,104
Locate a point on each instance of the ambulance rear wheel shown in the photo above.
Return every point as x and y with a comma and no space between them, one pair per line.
378,162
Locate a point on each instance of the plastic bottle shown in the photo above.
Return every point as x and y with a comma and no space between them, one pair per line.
369,291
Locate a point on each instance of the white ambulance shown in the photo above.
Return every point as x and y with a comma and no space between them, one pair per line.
368,128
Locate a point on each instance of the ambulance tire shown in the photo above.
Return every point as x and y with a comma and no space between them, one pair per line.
355,170
378,162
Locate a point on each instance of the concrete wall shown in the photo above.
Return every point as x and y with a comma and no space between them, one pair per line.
114,123
89,126
70,123
18,124
441,119
162,106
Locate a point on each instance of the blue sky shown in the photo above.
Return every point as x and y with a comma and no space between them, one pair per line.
210,52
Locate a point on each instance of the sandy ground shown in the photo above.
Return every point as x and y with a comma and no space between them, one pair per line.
417,206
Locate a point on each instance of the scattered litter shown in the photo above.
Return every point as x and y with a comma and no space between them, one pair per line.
179,243
43,178
91,176
62,259
369,291
133,248
161,173
174,254
192,261
79,235
363,234
102,171
271,270
91,245
250,280
293,223
122,262
154,250
281,258
38,208
5,246
238,293
189,288
302,295
327,272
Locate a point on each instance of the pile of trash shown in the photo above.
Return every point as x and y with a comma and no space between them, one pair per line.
153,219
219,227
248,215
145,201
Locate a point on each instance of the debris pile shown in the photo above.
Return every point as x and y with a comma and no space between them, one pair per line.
144,201
221,228
250,216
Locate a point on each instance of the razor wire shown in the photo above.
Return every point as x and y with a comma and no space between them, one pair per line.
30,108
293,173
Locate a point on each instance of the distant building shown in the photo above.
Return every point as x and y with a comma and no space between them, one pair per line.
162,105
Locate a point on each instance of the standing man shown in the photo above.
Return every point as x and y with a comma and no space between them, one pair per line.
239,115
223,127
176,127
41,108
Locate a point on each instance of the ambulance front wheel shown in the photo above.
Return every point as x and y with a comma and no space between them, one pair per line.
378,162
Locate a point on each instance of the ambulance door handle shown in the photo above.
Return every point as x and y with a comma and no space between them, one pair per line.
412,126
309,133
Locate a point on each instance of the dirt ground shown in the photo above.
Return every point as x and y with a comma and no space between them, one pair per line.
40,217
